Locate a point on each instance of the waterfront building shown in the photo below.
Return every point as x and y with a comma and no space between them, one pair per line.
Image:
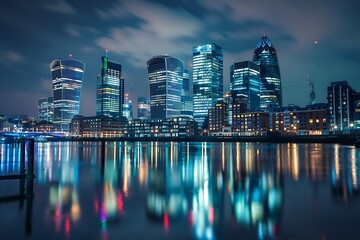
340,97
251,123
46,109
165,80
270,80
143,111
356,98
67,76
294,120
169,127
245,83
98,126
110,89
228,99
239,106
44,126
127,108
207,79
186,98
218,117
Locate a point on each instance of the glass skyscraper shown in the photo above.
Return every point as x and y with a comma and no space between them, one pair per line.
186,99
67,76
270,88
245,83
143,111
110,90
46,109
207,79
165,79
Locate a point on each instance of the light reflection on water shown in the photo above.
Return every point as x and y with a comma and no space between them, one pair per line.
186,190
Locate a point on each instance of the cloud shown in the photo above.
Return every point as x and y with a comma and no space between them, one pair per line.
9,57
60,6
79,31
162,30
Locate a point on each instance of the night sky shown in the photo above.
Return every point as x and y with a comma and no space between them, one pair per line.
316,38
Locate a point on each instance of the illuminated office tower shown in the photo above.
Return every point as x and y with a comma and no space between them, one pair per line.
186,99
270,87
67,76
110,90
165,79
127,108
245,83
207,79
46,109
143,108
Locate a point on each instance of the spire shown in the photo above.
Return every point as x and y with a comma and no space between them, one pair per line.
264,41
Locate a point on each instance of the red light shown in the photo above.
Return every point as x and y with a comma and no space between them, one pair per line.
166,221
67,226
119,202
211,215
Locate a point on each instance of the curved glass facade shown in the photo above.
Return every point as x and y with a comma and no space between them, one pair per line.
67,76
110,90
270,79
165,79
207,79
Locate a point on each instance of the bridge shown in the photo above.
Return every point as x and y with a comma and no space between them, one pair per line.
27,135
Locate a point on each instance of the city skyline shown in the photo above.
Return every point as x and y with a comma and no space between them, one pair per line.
303,35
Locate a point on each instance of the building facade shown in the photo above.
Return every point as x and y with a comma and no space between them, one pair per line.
127,108
270,80
143,111
245,83
207,79
110,89
186,98
67,76
341,106
165,80
46,109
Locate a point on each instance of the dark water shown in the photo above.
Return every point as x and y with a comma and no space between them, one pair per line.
184,191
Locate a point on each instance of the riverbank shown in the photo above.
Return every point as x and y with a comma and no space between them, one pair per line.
341,139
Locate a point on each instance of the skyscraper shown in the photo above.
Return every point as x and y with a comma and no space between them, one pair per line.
270,87
127,108
207,79
110,90
67,76
143,108
245,83
46,109
186,99
165,79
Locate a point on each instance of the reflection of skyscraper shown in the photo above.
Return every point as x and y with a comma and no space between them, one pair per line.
165,79
270,88
207,79
67,76
245,83
143,108
110,89
46,109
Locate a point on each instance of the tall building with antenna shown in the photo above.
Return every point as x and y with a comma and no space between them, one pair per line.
270,80
110,89
67,76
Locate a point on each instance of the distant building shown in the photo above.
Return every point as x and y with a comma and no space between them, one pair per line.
341,99
44,126
186,98
46,109
143,108
165,78
110,89
127,108
239,106
245,83
218,117
252,123
270,88
207,79
67,76
98,126
170,127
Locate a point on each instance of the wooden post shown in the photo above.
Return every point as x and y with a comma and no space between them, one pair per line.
30,163
30,186
22,172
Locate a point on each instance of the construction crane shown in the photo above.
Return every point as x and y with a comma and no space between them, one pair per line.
312,93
